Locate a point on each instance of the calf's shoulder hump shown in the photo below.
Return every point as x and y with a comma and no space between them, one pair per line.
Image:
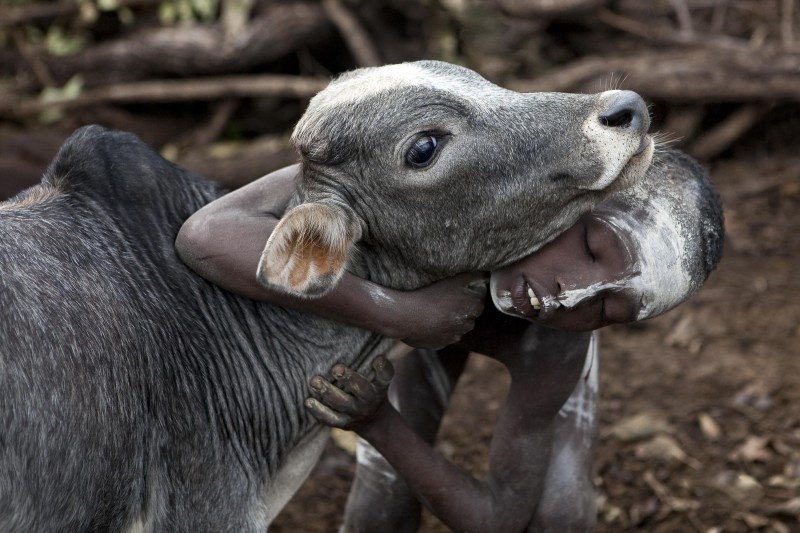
118,167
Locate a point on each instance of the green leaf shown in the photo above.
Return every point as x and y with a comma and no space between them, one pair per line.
107,5
59,43
72,89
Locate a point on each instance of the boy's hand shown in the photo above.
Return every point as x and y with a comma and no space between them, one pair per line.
441,313
350,400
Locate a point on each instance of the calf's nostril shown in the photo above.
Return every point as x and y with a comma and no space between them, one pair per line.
628,110
619,119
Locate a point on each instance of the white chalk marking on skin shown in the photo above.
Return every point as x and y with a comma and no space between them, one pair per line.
371,459
582,403
573,297
501,301
380,296
661,249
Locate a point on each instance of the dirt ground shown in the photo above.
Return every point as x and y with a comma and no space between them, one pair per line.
700,422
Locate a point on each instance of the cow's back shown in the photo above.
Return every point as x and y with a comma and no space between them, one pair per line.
132,392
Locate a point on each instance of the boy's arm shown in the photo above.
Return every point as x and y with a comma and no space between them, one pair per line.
223,242
506,499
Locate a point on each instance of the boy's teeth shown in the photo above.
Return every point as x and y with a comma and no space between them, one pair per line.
534,300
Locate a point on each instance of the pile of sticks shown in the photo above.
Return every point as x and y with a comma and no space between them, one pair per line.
188,88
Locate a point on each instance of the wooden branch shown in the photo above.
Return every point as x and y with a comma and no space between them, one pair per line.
233,164
685,74
196,49
664,34
357,39
684,16
770,179
719,138
552,8
175,91
33,59
13,15
787,23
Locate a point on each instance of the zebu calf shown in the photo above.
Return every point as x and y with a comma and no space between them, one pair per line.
135,396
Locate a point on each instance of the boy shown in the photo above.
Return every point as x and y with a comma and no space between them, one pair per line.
637,255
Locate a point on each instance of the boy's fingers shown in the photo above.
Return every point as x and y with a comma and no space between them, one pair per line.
353,382
325,414
384,371
331,395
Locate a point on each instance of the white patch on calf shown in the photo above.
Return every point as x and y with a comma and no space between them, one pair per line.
154,512
614,146
349,89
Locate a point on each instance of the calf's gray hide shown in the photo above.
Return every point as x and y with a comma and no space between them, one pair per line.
136,396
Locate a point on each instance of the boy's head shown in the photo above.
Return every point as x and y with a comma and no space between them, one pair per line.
637,255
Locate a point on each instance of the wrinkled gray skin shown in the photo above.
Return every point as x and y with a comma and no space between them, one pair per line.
136,396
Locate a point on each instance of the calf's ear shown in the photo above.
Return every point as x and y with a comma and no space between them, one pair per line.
308,250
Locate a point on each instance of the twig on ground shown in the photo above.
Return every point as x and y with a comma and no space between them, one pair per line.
13,15
210,130
233,164
687,74
791,174
787,23
175,91
666,34
719,138
32,59
357,39
683,15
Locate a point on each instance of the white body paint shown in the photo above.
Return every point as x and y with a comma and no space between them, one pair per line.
661,253
573,297
371,458
502,300
582,404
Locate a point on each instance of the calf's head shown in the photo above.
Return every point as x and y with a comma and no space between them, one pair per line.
423,170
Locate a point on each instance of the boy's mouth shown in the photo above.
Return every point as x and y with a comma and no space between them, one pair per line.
545,305
534,300
523,299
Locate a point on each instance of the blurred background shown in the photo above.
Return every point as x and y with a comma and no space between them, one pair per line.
701,407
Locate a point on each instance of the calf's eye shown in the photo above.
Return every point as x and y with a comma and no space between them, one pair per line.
423,152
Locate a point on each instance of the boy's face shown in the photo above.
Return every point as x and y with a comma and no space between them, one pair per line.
584,279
